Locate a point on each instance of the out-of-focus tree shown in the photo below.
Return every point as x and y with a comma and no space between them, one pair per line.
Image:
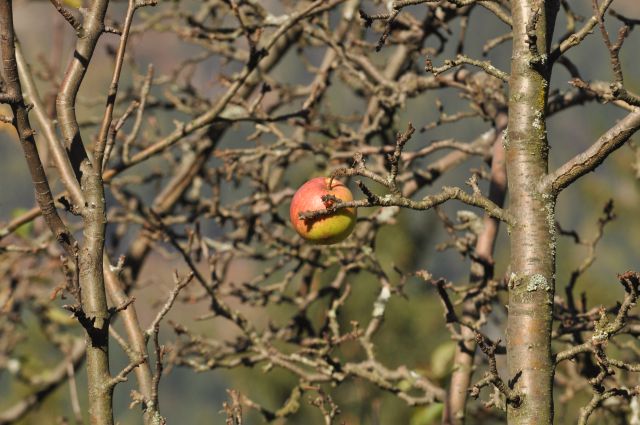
183,153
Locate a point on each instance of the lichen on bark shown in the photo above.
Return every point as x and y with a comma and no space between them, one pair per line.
532,237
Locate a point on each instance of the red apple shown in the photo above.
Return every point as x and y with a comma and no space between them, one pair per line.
326,229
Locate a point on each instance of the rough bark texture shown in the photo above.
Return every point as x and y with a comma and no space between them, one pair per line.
531,286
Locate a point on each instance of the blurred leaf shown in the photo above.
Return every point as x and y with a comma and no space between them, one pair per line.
61,317
442,359
428,415
73,3
23,231
405,385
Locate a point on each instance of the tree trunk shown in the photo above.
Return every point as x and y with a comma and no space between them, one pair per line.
94,299
531,285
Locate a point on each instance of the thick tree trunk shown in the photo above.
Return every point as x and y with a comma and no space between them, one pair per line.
531,286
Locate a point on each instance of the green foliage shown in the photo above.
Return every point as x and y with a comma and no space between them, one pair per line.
25,230
428,415
442,359
73,3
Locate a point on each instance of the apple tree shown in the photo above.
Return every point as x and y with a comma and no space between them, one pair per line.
165,140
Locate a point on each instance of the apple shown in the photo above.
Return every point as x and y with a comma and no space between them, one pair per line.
326,229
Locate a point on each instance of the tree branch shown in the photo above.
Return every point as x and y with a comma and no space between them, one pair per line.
426,203
590,159
59,156
92,29
13,96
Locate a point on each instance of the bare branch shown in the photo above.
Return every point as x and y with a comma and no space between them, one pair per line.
589,160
